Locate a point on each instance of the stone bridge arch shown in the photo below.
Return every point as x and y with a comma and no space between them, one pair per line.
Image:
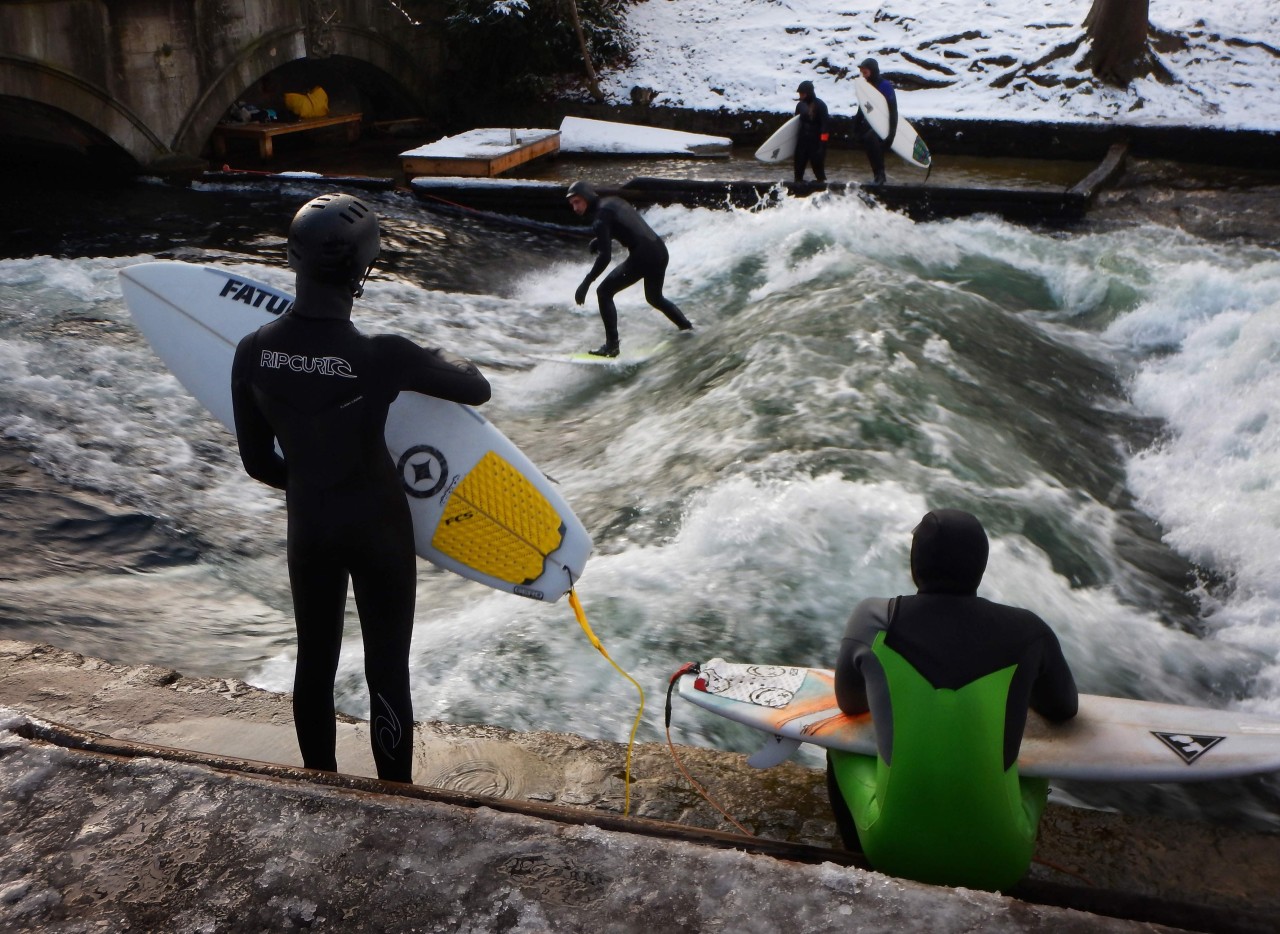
155,77
368,47
61,91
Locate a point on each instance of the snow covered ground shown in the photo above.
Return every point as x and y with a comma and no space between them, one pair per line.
981,59
485,143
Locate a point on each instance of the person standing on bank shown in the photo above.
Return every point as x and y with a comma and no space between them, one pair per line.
812,137
614,219
876,146
948,678
312,383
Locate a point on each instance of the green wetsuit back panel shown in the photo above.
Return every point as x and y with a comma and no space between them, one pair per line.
946,811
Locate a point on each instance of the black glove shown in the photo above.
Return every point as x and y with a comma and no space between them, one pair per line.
594,247
580,296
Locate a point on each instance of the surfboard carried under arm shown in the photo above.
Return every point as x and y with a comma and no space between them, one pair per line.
781,146
480,507
1110,739
906,142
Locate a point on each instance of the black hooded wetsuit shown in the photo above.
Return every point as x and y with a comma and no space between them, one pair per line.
811,138
322,390
876,146
647,258
948,678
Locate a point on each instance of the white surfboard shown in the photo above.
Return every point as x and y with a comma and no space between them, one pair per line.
781,146
480,508
1110,739
906,142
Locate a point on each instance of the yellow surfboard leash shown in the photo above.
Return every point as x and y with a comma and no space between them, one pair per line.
586,627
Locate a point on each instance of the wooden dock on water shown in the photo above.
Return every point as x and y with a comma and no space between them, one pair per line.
264,133
480,153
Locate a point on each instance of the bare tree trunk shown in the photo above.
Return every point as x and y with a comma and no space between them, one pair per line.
1117,30
592,84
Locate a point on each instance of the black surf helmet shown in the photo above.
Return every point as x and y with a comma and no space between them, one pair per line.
334,239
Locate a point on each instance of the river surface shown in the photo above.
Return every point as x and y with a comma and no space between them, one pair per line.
1107,401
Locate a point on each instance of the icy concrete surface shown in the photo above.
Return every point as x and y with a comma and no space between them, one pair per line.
91,841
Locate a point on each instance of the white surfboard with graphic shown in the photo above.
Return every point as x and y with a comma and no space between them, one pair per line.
480,507
1110,739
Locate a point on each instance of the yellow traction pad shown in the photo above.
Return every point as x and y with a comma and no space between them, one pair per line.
498,522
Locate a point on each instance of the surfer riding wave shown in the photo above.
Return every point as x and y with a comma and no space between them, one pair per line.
614,219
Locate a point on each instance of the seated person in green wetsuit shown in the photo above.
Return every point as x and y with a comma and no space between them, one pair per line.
948,677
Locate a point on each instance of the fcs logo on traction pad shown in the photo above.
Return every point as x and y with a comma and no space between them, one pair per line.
1189,748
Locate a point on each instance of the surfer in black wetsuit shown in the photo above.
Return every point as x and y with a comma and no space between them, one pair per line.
813,134
948,678
313,383
647,258
876,146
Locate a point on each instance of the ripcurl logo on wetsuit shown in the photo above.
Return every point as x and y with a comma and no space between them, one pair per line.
387,729
321,366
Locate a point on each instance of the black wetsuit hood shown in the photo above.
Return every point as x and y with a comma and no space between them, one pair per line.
586,191
874,67
948,552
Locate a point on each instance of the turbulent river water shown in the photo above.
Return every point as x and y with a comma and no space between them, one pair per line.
1107,401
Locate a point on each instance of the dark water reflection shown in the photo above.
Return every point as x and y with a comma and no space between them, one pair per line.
76,214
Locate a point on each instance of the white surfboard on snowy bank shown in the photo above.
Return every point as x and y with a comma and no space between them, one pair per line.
480,507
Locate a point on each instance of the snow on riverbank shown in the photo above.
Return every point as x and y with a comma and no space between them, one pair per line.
981,59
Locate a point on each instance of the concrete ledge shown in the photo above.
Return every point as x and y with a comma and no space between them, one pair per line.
97,842
1244,148
128,729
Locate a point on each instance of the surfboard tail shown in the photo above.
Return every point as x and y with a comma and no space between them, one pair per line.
497,522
